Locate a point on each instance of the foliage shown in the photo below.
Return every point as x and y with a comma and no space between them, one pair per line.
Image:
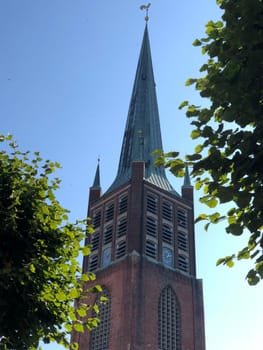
228,162
40,276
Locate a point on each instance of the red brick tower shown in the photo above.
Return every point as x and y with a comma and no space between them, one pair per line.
144,246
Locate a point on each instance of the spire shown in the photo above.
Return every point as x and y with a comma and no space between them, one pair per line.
187,180
142,133
96,183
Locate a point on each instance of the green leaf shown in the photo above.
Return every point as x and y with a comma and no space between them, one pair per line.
200,218
214,217
243,254
198,184
235,229
183,104
252,277
190,81
78,327
193,157
32,268
74,346
211,203
196,42
198,148
232,220
220,261
86,250
195,134
68,327
82,312
96,308
230,263
74,293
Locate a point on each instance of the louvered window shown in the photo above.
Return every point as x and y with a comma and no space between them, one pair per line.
100,335
120,249
109,212
182,241
122,227
95,239
107,234
151,249
96,219
152,204
93,262
123,204
183,263
182,218
151,226
167,234
169,322
167,211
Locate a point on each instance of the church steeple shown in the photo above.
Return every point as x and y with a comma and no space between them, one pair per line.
143,245
142,133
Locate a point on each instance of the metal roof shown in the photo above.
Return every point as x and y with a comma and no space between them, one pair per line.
142,133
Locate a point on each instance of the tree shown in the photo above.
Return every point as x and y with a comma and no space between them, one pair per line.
40,276
228,162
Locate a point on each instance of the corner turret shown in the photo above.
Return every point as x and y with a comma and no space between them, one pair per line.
187,188
95,190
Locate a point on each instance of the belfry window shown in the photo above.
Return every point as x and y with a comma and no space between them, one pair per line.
96,219
151,249
123,204
152,204
122,227
95,239
167,211
167,234
182,218
120,249
151,226
183,263
108,234
182,241
109,211
93,262
169,322
100,334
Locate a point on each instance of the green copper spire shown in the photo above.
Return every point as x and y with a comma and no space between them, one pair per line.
96,183
142,133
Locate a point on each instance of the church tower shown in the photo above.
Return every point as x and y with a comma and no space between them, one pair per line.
143,248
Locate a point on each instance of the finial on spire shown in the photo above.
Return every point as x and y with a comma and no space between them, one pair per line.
146,7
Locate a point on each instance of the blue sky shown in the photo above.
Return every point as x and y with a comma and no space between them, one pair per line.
66,74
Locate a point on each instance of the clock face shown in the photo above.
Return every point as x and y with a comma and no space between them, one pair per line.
167,256
106,256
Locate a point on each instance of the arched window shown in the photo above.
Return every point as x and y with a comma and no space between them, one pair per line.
169,323
100,334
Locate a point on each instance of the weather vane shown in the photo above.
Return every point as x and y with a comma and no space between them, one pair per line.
146,7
